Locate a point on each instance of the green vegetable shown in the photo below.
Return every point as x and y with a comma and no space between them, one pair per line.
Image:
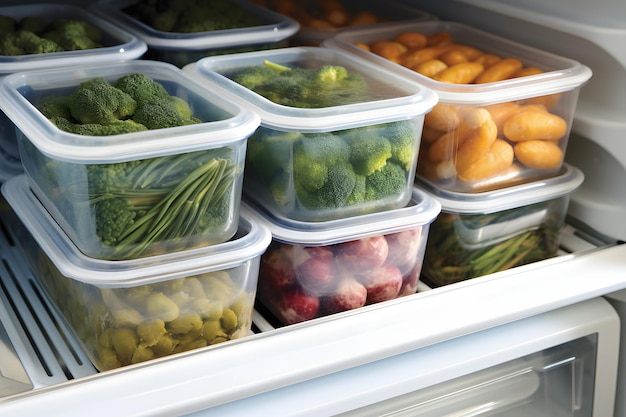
324,86
450,258
35,35
139,205
189,16
133,103
320,171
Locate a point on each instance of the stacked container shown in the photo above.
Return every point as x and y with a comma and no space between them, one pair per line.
139,241
320,21
221,27
327,172
116,45
505,110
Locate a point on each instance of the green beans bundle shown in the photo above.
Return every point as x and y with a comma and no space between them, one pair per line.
449,258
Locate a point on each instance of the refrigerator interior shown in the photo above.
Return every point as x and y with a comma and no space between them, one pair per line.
42,369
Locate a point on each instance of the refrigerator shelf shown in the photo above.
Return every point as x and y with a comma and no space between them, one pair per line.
43,349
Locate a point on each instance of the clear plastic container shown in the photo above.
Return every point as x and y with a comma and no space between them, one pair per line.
273,31
182,184
495,128
483,233
117,45
314,269
352,154
323,20
126,312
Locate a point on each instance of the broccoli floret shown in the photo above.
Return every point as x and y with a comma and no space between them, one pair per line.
53,107
23,42
269,151
326,147
158,115
113,217
358,193
141,88
114,128
74,35
369,150
388,181
327,74
403,136
334,193
309,173
252,77
97,101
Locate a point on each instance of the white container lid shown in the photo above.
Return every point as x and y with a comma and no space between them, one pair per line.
251,241
521,195
401,98
422,210
236,123
560,74
118,45
274,28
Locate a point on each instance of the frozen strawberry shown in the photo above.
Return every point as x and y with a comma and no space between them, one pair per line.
276,269
410,280
404,248
295,306
382,283
362,254
314,268
349,294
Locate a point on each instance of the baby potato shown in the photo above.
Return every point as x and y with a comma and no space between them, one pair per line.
463,73
498,158
430,68
533,124
539,154
412,40
390,50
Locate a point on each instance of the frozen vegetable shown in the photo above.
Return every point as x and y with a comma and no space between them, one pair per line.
34,35
189,16
127,325
133,103
335,169
323,86
145,207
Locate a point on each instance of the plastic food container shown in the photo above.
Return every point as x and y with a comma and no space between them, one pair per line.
323,20
351,154
126,312
494,128
117,45
316,269
136,194
482,233
272,31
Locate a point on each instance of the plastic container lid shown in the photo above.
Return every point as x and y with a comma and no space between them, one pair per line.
275,28
118,44
396,98
422,210
237,123
560,74
563,184
251,241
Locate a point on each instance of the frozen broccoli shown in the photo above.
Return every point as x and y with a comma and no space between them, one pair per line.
335,192
141,88
37,35
189,16
403,136
98,107
390,180
324,86
23,42
369,150
98,101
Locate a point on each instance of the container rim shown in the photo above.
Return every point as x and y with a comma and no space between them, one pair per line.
416,99
70,147
421,211
566,182
277,28
129,46
561,74
104,273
